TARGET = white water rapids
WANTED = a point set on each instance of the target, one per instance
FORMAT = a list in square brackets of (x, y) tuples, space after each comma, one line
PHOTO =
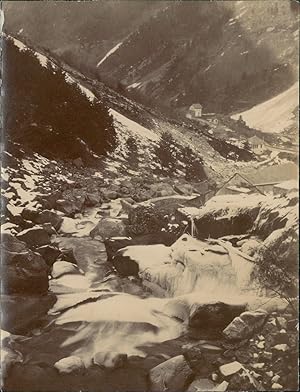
[(189, 273)]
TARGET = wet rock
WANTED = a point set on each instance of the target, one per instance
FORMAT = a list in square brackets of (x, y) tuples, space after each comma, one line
[(245, 325), (110, 360), (171, 375), (124, 264), (69, 365), (25, 271), (60, 268), (24, 311), (9, 357), (67, 254), (201, 385), (230, 368), (216, 210), (109, 227), (201, 356), (35, 236), (49, 253), (214, 315), (48, 216), (112, 245)]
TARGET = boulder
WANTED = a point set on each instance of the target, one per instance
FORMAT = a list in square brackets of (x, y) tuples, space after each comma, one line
[(25, 310), (109, 227), (25, 271), (112, 245), (78, 163), (69, 365), (214, 315), (92, 199), (144, 219), (109, 194), (171, 375), (35, 236), (60, 268), (230, 368), (201, 356), (49, 253), (109, 359), (132, 259), (66, 206), (49, 228), (245, 325), (49, 200), (222, 387), (161, 189), (201, 385), (48, 216), (9, 357)]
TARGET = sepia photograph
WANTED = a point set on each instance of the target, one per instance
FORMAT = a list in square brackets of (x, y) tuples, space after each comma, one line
[(149, 195)]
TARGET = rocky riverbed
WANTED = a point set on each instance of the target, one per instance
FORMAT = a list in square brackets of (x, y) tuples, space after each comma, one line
[(102, 292)]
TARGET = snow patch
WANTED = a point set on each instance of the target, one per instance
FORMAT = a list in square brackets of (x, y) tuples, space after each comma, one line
[(274, 115), (111, 51), (133, 126)]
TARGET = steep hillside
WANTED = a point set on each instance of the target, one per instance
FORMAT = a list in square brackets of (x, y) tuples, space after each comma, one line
[(130, 120), (55, 26), (246, 54), (166, 54), (274, 115)]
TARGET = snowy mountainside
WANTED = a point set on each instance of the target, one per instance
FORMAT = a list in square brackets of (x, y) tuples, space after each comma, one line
[(147, 126), (274, 115), (164, 53)]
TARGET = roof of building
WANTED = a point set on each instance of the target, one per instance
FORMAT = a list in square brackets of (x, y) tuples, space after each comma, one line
[(255, 140), (272, 174), (196, 106), (240, 184), (288, 185)]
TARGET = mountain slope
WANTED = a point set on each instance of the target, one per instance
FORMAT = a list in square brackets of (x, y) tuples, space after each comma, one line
[(144, 125), (241, 57), (274, 115), (229, 56)]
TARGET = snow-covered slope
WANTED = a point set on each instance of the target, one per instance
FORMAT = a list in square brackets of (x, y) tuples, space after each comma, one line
[(274, 115)]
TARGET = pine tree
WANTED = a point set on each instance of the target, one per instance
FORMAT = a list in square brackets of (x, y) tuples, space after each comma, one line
[(50, 115), (166, 151), (132, 151), (194, 170)]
